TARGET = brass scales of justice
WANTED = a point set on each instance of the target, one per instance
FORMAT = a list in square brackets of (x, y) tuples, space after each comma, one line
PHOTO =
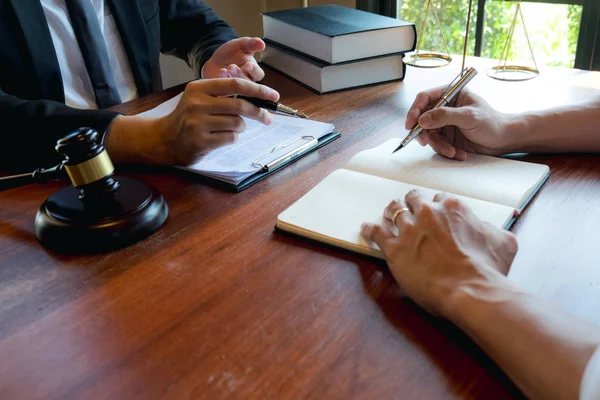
[(503, 71)]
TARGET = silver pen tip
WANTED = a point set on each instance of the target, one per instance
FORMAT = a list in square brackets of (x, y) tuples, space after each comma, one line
[(290, 111), (398, 148)]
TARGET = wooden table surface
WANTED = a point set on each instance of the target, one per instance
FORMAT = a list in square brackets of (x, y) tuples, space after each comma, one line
[(218, 305)]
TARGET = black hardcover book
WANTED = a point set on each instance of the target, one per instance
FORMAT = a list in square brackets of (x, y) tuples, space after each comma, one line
[(336, 34), (322, 77)]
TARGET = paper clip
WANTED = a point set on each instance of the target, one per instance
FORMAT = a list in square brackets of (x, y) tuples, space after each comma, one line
[(286, 157)]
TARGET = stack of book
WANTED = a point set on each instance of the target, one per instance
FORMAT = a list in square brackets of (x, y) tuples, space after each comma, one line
[(331, 48)]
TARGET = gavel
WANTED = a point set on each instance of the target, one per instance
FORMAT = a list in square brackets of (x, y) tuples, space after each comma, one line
[(97, 212)]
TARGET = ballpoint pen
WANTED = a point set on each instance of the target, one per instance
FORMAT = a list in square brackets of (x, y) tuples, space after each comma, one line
[(449, 94), (275, 107), (272, 106)]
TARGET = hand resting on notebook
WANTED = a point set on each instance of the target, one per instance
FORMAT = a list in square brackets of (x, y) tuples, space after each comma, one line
[(471, 125), (453, 264), (204, 119), (440, 247)]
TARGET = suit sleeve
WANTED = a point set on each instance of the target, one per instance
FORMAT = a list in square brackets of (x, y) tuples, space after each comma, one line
[(192, 31), (30, 129)]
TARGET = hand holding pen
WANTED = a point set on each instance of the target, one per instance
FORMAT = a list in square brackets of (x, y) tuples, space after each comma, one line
[(272, 106), (470, 125), (449, 93)]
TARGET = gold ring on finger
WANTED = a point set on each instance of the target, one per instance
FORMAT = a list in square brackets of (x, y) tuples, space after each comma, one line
[(398, 212)]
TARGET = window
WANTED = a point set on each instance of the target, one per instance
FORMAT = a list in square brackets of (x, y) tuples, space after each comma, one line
[(562, 32), (553, 31)]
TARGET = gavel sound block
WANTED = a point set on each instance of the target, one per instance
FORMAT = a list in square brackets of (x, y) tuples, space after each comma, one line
[(99, 212)]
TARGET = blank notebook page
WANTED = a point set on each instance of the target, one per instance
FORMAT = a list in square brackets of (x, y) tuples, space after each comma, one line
[(497, 180), (334, 210)]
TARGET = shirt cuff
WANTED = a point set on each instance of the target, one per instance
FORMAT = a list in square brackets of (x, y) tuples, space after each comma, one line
[(590, 383)]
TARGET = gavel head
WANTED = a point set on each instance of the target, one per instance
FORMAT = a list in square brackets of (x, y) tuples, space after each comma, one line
[(87, 163)]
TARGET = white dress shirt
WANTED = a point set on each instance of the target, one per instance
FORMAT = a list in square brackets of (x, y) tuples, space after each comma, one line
[(77, 86), (590, 384)]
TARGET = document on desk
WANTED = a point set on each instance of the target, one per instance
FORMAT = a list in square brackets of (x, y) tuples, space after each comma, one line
[(257, 146)]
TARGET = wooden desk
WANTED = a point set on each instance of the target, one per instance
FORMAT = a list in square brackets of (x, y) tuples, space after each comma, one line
[(218, 305)]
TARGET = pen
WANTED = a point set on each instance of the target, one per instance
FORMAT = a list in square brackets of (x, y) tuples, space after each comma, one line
[(275, 107), (449, 94)]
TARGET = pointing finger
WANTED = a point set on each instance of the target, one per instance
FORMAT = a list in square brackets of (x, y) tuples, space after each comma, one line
[(253, 71), (223, 73), (251, 45), (236, 72)]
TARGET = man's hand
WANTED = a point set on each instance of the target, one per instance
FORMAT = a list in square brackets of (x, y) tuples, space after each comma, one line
[(204, 120), (441, 249), (453, 264), (236, 59), (470, 125)]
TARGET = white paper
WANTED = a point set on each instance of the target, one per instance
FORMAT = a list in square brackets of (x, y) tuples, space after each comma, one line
[(493, 179), (163, 109), (257, 141), (234, 162), (334, 210)]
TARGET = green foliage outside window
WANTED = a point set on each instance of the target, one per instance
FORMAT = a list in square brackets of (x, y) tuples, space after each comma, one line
[(553, 29)]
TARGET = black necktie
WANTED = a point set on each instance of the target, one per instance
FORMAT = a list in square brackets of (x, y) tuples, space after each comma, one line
[(95, 55)]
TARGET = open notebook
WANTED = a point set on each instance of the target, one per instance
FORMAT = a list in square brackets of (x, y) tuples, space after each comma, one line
[(241, 164), (496, 189)]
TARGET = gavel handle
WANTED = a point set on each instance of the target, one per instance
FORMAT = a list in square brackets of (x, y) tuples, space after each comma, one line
[(38, 176), (9, 182)]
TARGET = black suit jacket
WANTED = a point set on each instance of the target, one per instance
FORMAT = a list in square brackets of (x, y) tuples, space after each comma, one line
[(33, 115)]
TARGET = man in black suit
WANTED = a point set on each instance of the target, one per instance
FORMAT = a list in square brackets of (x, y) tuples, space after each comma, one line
[(54, 54)]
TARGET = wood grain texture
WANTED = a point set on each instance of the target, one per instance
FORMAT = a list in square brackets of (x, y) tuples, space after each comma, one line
[(219, 305)]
